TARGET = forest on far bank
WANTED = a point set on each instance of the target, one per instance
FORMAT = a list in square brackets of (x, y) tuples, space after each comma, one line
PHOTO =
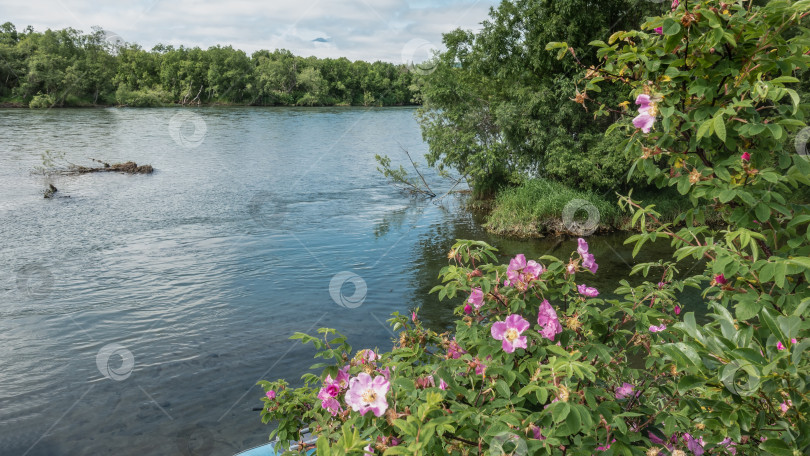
[(70, 68)]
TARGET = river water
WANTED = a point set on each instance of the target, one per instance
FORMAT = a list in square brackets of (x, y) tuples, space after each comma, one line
[(137, 312)]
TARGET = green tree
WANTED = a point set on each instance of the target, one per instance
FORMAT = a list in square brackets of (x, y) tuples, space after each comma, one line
[(497, 106)]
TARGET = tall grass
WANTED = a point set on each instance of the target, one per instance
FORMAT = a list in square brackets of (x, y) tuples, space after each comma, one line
[(535, 208)]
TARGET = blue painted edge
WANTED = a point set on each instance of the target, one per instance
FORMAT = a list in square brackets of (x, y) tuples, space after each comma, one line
[(268, 449)]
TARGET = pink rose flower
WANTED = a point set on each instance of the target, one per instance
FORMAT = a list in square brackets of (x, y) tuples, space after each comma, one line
[(589, 261), (582, 246), (476, 298), (270, 394), (659, 30), (694, 445), (588, 292), (658, 328), (365, 394), (509, 332), (547, 319), (520, 273), (746, 156), (624, 391), (454, 350)]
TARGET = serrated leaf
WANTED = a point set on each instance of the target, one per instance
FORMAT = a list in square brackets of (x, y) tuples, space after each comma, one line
[(720, 128)]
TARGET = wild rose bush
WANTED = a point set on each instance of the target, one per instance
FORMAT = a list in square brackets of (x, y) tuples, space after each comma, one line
[(537, 361), (540, 364)]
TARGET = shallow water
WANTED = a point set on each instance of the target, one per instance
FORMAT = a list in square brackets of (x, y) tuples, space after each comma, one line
[(138, 312)]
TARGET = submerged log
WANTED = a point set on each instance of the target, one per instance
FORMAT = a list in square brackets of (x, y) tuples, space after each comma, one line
[(129, 167)]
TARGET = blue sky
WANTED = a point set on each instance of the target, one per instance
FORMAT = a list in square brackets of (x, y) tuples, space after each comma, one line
[(390, 30)]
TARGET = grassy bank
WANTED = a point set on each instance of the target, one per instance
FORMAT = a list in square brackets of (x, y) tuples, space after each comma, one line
[(535, 208)]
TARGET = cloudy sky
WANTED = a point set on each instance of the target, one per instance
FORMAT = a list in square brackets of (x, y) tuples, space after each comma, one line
[(390, 30)]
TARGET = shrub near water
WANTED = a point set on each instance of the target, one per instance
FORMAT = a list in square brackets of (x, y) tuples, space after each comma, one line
[(539, 364)]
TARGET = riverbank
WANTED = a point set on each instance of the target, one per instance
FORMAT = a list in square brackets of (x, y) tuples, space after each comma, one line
[(541, 207), (76, 102)]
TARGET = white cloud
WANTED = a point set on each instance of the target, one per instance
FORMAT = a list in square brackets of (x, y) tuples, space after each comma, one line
[(357, 29)]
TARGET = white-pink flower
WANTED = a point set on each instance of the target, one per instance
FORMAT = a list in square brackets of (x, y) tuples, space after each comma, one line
[(366, 394)]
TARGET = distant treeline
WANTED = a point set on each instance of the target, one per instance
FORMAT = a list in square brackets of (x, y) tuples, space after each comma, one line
[(69, 68)]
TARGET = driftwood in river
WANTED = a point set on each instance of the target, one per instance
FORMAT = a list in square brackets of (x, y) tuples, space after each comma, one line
[(129, 167)]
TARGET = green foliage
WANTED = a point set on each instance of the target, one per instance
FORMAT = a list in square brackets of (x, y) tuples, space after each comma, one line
[(71, 68), (498, 104), (633, 375), (42, 101)]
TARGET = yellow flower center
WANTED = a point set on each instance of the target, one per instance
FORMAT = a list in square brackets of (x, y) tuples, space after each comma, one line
[(369, 396), (511, 334)]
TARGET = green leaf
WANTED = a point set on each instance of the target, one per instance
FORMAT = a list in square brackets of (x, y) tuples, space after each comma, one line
[(800, 261), (748, 307), (785, 79), (776, 447), (560, 411), (704, 129), (671, 27), (763, 212), (720, 128), (572, 422), (323, 445)]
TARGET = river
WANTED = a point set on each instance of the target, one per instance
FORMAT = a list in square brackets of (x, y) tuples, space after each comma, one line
[(137, 312)]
